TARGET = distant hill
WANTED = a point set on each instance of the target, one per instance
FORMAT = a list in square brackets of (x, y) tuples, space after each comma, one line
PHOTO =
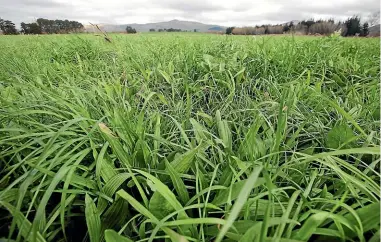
[(295, 22), (217, 28), (175, 24)]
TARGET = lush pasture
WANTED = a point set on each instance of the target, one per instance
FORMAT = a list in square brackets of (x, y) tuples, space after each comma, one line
[(189, 137)]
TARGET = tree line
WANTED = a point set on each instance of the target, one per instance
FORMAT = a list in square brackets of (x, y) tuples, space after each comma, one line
[(42, 26), (351, 27), (131, 30), (7, 27)]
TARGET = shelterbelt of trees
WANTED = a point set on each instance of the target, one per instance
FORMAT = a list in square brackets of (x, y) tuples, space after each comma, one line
[(351, 27), (42, 26)]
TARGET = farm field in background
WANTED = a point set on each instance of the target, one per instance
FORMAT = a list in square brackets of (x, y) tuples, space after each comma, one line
[(189, 137)]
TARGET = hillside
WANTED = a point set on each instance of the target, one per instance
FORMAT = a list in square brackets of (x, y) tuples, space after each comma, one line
[(175, 24)]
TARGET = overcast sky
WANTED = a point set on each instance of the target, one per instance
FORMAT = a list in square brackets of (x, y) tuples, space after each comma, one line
[(226, 13)]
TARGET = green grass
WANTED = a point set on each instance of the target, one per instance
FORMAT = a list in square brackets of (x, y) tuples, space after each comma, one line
[(189, 137)]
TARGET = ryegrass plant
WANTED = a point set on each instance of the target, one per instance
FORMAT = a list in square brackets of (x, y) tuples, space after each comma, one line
[(189, 137)]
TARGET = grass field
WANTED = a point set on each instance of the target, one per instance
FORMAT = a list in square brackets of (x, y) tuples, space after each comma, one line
[(189, 137)]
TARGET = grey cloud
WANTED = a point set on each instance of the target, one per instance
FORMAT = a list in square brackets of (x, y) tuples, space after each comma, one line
[(38, 3), (241, 13), (293, 10), (27, 11), (334, 8), (290, 10), (190, 6)]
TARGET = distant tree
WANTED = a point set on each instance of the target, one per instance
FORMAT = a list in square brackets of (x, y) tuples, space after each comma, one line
[(353, 26), (259, 30), (152, 30), (161, 30), (365, 29), (195, 30), (130, 30), (34, 28), (291, 26), (7, 27), (266, 29), (2, 25), (173, 30), (274, 29), (47, 26), (308, 23), (24, 29), (286, 28), (76, 27), (229, 30), (323, 28)]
